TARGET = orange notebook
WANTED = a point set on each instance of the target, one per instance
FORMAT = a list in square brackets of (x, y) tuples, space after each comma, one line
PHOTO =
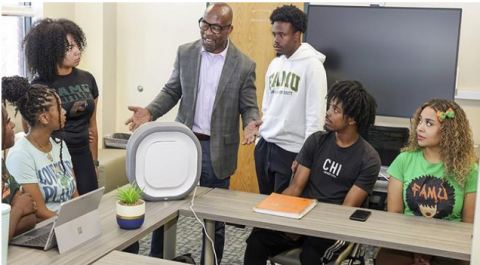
[(286, 206)]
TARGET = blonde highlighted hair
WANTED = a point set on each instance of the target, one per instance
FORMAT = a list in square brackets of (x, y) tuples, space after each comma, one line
[(456, 140)]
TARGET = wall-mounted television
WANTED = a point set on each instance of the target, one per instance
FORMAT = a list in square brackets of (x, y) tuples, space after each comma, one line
[(403, 56)]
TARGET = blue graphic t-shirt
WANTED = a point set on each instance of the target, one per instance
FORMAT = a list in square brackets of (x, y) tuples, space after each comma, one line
[(425, 193), (30, 165)]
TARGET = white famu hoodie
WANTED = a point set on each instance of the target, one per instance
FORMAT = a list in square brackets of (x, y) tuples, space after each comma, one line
[(294, 98)]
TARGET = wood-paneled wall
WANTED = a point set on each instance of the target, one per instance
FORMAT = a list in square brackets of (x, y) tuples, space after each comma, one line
[(252, 34)]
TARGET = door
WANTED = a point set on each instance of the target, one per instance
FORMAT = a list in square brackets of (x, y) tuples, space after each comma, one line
[(252, 34)]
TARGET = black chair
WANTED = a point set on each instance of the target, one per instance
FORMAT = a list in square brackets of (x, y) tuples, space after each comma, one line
[(388, 141), (352, 253)]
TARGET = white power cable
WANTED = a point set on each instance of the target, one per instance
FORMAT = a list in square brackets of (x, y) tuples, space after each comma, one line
[(203, 226)]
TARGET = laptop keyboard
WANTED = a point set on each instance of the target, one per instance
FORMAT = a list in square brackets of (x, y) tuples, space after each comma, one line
[(38, 241)]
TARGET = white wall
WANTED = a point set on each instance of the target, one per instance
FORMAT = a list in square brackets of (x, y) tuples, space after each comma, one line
[(59, 10), (92, 59), (148, 35), (468, 61), (110, 91)]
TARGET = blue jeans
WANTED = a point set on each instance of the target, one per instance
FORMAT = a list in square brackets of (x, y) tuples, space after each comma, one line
[(210, 180)]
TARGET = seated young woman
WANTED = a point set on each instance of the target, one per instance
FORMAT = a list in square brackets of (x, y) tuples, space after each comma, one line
[(23, 208), (39, 162), (435, 176)]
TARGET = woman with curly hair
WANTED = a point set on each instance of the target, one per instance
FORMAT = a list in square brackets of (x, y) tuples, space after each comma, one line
[(435, 176), (40, 163), (53, 50)]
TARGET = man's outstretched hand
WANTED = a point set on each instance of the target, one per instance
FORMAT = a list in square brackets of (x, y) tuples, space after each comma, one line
[(251, 132), (139, 117)]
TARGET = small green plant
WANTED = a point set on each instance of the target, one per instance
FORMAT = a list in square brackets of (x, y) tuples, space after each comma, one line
[(130, 194)]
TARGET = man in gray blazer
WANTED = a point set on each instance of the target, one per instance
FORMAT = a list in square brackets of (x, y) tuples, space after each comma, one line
[(215, 82)]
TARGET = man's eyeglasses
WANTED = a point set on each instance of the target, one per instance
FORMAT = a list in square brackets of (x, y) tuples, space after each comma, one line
[(204, 25)]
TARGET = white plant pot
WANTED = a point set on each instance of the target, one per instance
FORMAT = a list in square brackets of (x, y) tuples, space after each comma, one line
[(130, 217)]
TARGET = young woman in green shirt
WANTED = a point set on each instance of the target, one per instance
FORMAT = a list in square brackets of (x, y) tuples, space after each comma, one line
[(435, 176)]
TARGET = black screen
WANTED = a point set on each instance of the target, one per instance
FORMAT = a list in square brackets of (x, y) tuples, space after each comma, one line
[(403, 56)]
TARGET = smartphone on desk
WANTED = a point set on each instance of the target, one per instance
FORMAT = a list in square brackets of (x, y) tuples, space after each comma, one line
[(360, 215)]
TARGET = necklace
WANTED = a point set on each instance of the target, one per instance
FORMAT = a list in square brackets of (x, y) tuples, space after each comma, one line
[(49, 155)]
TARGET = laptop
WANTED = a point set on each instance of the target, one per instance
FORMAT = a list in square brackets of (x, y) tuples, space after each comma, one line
[(77, 221)]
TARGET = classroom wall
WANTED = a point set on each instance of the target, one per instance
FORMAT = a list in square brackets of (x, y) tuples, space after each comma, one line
[(59, 10)]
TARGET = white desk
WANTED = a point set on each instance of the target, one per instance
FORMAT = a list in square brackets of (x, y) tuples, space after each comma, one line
[(383, 229), (122, 258), (112, 237)]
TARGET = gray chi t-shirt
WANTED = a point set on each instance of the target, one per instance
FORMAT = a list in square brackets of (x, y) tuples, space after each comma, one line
[(334, 170)]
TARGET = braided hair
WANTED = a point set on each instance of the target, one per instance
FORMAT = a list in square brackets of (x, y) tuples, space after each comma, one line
[(357, 103), (291, 14), (31, 101), (46, 43)]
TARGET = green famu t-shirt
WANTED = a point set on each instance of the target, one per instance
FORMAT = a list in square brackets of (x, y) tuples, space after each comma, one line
[(424, 191)]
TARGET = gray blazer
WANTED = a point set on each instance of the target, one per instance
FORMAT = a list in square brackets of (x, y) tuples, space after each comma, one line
[(236, 95)]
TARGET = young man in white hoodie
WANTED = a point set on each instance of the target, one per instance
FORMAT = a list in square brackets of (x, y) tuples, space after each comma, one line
[(293, 101)]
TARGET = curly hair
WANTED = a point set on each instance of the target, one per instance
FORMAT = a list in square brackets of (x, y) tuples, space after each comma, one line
[(456, 140), (357, 103), (292, 15), (46, 44), (31, 101)]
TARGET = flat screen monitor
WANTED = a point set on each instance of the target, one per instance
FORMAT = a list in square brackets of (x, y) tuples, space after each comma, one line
[(387, 141), (403, 56)]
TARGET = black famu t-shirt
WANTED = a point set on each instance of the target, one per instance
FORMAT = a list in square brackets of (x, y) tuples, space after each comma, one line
[(78, 92), (334, 170)]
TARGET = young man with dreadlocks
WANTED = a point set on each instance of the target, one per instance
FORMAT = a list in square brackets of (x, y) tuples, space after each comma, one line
[(293, 102), (337, 166), (41, 164)]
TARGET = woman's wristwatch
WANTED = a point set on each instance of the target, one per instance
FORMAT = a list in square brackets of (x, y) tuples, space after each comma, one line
[(96, 163)]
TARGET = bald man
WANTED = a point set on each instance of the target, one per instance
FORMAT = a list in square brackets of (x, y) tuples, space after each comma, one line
[(215, 81)]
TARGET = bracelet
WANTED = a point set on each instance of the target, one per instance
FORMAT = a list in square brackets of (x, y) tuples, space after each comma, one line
[(96, 163)]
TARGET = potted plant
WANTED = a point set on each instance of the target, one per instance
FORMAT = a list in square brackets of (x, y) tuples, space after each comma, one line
[(130, 207)]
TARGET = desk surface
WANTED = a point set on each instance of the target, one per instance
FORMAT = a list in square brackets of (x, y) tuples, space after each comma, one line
[(383, 229), (112, 237), (118, 257)]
